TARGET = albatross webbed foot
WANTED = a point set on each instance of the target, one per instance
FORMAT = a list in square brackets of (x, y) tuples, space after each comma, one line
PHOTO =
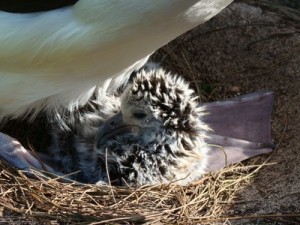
[(241, 128), (17, 156)]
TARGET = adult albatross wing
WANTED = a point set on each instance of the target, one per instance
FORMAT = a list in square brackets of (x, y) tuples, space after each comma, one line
[(54, 58), (29, 6)]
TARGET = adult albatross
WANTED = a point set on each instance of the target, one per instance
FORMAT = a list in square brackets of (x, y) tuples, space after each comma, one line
[(156, 132), (52, 60)]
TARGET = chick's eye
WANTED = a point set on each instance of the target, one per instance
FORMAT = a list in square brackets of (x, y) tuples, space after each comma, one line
[(139, 115)]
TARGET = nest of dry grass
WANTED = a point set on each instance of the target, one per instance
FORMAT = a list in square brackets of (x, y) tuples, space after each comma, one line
[(47, 200)]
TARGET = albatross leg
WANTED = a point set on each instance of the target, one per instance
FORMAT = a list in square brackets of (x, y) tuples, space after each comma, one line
[(16, 155), (241, 128)]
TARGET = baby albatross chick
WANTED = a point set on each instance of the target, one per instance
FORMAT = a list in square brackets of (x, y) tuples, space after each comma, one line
[(157, 136), (160, 134)]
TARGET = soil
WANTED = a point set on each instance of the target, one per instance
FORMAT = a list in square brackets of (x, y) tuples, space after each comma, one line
[(245, 49)]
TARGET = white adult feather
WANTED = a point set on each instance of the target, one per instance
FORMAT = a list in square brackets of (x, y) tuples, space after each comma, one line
[(56, 58)]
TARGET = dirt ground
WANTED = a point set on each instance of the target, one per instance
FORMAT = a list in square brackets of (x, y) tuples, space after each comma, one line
[(242, 50)]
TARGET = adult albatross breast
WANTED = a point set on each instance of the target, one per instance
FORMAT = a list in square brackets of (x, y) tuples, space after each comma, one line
[(53, 59)]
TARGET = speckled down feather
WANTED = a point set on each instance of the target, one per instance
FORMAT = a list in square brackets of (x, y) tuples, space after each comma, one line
[(167, 146)]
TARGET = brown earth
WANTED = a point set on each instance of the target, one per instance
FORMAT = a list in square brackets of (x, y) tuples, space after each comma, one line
[(246, 49)]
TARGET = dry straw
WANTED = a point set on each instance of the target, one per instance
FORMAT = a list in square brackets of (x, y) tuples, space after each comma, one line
[(42, 199)]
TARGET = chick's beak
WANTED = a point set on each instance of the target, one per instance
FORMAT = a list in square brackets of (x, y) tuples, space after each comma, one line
[(112, 127)]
